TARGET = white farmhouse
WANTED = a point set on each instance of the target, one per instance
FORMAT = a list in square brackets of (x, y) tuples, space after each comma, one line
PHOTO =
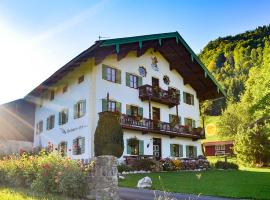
[(155, 81)]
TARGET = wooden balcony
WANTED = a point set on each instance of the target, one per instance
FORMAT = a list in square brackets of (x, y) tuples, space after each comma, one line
[(147, 125), (156, 94)]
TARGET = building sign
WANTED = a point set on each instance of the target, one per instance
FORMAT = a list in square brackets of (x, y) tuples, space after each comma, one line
[(69, 130)]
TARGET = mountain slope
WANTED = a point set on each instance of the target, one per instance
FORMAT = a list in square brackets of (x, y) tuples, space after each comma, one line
[(230, 59)]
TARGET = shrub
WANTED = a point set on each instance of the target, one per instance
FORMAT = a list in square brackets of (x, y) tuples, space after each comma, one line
[(45, 172), (109, 135), (176, 164), (144, 164), (167, 164), (123, 168), (226, 165)]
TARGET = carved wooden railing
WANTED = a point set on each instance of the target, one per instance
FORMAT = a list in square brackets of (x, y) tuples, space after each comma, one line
[(169, 97), (149, 125)]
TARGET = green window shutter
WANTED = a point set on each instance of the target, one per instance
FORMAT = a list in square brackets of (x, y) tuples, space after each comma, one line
[(195, 151), (59, 118), (128, 148), (74, 146), (47, 125), (141, 147), (171, 149), (83, 145), (187, 151), (119, 107), (104, 70), (180, 120), (193, 124), (104, 105), (84, 107), (180, 150), (139, 81), (178, 94), (75, 108), (186, 121), (67, 115), (53, 121), (170, 118), (118, 76), (192, 99), (185, 97), (128, 109), (127, 79), (140, 110)]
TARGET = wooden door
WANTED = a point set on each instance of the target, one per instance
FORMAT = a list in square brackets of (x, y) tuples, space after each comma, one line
[(157, 148)]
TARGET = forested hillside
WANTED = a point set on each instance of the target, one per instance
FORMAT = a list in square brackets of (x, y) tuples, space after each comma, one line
[(231, 58), (241, 64)]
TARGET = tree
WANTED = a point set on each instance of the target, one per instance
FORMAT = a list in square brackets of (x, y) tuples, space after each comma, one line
[(252, 146), (109, 135), (235, 116)]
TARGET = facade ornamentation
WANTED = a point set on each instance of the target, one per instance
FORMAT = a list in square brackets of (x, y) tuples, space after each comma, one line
[(142, 71), (154, 64)]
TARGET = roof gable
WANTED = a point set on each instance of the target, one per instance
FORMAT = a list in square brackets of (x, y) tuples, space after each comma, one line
[(171, 45)]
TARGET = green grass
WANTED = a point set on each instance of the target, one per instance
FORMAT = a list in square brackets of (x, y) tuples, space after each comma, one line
[(253, 184), (24, 194)]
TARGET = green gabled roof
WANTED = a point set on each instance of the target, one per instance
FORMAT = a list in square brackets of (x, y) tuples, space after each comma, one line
[(101, 46), (118, 41)]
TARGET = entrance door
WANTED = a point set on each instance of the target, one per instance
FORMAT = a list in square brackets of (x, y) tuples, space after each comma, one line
[(155, 82), (157, 148)]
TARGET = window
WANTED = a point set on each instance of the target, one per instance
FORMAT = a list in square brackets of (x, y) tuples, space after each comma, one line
[(220, 147), (81, 79), (50, 122), (135, 146), (190, 122), (65, 88), (62, 148), (111, 105), (80, 109), (173, 119), (51, 95), (176, 150), (191, 151), (39, 128), (188, 98), (78, 146), (133, 81), (111, 74), (134, 111), (63, 117)]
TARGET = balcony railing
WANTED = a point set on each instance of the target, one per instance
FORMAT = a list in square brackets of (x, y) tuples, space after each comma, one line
[(148, 125), (169, 97)]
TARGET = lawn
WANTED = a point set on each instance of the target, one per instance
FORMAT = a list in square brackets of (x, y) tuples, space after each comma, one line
[(253, 184), (24, 194)]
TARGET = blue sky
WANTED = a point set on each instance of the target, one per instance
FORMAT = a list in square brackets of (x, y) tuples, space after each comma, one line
[(38, 37)]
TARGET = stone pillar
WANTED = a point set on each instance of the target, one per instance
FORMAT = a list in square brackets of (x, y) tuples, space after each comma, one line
[(106, 180)]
